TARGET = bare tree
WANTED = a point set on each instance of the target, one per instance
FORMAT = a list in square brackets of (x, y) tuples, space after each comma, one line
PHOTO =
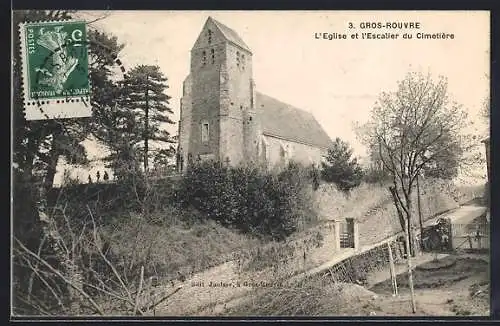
[(416, 131)]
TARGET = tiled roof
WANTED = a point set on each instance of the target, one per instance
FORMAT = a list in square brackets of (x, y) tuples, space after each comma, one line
[(230, 35), (284, 121)]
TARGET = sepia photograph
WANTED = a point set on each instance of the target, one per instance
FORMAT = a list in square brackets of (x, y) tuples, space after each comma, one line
[(250, 163)]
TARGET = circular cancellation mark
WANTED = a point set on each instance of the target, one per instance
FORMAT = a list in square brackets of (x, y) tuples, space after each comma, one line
[(65, 50)]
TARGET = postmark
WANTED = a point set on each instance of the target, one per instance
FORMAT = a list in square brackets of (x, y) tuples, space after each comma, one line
[(55, 63)]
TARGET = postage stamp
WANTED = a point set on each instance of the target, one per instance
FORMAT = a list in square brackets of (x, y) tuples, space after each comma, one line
[(55, 69)]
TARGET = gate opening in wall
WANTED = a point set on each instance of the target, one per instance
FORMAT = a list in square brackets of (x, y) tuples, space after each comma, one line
[(347, 233)]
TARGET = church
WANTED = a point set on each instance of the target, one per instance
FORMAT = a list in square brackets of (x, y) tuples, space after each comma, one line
[(224, 118)]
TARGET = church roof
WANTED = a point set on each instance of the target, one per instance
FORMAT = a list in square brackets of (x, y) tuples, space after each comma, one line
[(284, 121), (230, 34)]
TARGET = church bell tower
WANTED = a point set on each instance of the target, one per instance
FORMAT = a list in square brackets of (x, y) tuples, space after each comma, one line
[(218, 111)]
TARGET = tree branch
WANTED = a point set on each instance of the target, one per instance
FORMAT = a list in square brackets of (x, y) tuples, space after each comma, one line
[(55, 271), (115, 272)]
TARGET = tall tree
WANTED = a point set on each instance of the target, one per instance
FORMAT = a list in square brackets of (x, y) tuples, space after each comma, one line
[(340, 167), (104, 71), (417, 131), (143, 114)]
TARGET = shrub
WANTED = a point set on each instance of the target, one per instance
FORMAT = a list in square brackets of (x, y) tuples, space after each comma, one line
[(266, 204), (340, 167), (376, 176)]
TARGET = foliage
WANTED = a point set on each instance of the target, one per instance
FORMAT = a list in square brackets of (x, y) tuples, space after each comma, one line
[(163, 158), (38, 146), (264, 204), (140, 116), (417, 131), (341, 168), (373, 175), (102, 230)]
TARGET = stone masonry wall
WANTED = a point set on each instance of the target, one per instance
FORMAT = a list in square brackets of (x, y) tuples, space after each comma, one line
[(205, 105), (372, 206), (235, 101), (185, 122), (383, 221)]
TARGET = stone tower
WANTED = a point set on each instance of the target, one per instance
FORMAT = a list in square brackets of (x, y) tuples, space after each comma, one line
[(218, 111)]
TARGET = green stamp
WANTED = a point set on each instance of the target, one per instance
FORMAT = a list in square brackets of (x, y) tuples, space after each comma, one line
[(56, 69)]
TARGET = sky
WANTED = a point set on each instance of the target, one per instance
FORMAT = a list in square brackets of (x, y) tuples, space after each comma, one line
[(337, 80)]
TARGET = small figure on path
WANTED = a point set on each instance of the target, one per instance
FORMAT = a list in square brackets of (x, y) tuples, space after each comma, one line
[(90, 179), (106, 176), (98, 176)]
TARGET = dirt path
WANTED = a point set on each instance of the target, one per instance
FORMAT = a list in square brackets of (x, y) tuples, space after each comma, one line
[(441, 292), (208, 287), (400, 268), (454, 300), (462, 215)]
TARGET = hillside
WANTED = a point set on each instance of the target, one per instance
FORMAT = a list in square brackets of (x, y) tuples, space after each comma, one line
[(247, 259), (176, 245), (169, 245)]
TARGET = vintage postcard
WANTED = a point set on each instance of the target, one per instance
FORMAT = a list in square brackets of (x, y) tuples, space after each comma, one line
[(250, 163)]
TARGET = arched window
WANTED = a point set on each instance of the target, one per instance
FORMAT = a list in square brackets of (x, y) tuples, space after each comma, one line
[(204, 57), (212, 53)]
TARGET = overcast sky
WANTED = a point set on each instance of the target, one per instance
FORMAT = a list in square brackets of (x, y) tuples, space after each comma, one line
[(337, 80)]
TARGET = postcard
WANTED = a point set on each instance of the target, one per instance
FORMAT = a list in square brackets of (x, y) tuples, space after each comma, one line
[(250, 163)]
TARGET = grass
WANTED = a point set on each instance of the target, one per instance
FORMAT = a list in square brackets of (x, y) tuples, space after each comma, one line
[(180, 241), (174, 246)]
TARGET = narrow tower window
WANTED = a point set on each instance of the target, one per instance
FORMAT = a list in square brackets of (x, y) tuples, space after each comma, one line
[(204, 57), (209, 36), (243, 61), (212, 52), (237, 58), (205, 129)]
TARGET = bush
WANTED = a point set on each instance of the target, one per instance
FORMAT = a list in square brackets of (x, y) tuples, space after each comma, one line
[(376, 176), (340, 167), (272, 205)]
